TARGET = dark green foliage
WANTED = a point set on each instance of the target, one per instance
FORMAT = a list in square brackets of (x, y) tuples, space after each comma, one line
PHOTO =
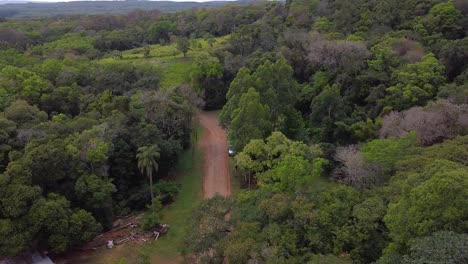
[(166, 190)]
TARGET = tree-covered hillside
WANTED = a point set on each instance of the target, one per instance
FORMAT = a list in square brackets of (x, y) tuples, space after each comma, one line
[(22, 9), (349, 119)]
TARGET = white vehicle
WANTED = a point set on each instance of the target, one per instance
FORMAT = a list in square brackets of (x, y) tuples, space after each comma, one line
[(231, 150)]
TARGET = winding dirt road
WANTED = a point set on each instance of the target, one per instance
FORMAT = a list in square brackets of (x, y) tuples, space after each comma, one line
[(213, 144)]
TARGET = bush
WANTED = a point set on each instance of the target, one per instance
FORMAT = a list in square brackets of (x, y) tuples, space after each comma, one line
[(166, 190), (152, 217)]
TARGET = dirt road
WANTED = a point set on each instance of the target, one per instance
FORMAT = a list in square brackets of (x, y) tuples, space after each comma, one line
[(213, 144)]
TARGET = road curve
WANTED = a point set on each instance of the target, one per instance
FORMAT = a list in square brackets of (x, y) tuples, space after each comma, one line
[(213, 145)]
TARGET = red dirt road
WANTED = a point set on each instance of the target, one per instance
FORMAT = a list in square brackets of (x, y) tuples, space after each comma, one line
[(213, 144)]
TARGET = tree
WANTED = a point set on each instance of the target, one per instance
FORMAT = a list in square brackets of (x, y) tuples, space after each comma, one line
[(292, 173), (94, 192), (333, 208), (437, 204), (416, 83), (338, 56), (277, 89), (250, 120), (439, 120), (147, 157), (207, 77), (444, 19), (24, 114), (354, 169), (183, 45), (385, 153), (83, 227), (327, 104)]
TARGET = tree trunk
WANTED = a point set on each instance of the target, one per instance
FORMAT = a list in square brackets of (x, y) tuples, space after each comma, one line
[(151, 187)]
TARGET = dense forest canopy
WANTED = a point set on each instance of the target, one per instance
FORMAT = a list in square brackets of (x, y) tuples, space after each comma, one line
[(349, 119)]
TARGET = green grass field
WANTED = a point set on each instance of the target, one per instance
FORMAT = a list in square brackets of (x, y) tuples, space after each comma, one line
[(175, 68)]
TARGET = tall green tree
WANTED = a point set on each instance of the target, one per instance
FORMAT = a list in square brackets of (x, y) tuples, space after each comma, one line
[(147, 157), (250, 120)]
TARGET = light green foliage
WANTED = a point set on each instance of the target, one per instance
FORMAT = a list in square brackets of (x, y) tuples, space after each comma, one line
[(387, 152), (444, 18), (438, 203), (385, 62), (290, 174), (71, 43), (207, 77), (282, 165), (454, 150), (334, 209), (21, 83), (152, 217), (322, 25), (205, 67), (416, 83), (96, 151), (366, 130)]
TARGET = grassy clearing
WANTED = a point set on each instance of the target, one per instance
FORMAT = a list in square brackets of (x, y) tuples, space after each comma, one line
[(177, 215), (175, 69)]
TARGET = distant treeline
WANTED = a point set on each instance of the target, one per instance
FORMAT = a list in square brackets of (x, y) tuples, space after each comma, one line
[(101, 7)]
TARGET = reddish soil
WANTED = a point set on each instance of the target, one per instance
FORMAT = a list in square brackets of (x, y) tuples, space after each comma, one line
[(213, 144)]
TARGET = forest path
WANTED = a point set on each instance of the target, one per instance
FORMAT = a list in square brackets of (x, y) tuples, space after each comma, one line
[(214, 146)]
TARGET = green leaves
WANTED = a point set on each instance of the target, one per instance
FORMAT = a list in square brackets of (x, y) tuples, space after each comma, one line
[(96, 151), (276, 88), (147, 157), (183, 45), (94, 191), (250, 120), (387, 152), (439, 203), (416, 83)]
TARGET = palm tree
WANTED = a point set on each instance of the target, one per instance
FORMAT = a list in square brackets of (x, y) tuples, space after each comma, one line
[(147, 156)]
